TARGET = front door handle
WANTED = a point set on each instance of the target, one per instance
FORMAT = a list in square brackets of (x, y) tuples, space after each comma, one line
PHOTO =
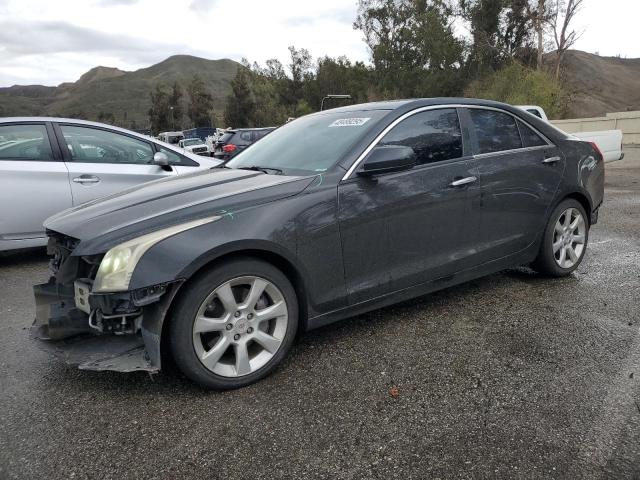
[(86, 179), (463, 181), (551, 160)]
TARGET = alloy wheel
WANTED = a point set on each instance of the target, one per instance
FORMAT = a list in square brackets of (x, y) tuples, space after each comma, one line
[(569, 238), (240, 326)]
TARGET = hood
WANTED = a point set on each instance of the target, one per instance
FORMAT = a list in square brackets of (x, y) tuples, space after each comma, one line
[(102, 223)]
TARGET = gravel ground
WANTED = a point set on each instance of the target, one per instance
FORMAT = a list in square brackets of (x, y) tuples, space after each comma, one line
[(510, 376)]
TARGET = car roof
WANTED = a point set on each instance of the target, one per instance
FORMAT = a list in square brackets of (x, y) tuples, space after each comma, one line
[(412, 103), (89, 123), (77, 121), (400, 107)]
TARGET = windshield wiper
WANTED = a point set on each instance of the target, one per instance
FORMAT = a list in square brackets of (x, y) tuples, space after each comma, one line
[(262, 169)]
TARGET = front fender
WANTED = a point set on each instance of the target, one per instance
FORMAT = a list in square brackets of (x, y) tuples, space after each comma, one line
[(180, 256)]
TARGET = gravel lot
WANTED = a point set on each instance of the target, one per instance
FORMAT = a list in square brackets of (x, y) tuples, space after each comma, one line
[(510, 376)]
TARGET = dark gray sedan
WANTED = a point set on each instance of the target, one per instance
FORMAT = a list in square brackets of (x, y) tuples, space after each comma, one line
[(331, 215)]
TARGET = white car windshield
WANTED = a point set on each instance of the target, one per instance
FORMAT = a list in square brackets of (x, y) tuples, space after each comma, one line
[(191, 141)]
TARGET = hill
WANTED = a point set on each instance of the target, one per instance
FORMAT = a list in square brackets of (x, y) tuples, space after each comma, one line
[(601, 84), (125, 95), (597, 85)]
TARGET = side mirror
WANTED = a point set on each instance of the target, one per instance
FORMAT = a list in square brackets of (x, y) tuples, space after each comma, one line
[(388, 158), (162, 160)]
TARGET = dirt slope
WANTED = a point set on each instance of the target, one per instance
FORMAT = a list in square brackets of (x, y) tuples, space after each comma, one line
[(601, 84)]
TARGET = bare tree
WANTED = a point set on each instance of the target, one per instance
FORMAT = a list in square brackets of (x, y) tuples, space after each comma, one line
[(560, 22), (539, 12)]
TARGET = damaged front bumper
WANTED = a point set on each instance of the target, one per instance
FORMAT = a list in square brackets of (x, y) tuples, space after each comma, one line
[(118, 331)]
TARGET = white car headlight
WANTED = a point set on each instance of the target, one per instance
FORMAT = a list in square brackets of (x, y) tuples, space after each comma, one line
[(117, 266)]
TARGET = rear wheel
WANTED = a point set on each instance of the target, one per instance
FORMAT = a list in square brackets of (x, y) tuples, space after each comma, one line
[(234, 324), (564, 243)]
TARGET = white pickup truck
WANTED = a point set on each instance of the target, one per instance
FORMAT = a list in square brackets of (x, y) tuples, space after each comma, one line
[(195, 145), (608, 141)]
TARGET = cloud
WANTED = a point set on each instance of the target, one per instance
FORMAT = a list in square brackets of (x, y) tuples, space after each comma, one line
[(110, 3), (62, 37), (339, 15), (202, 5)]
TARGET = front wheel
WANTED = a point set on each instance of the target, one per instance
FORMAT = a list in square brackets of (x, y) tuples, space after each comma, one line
[(234, 324), (564, 242)]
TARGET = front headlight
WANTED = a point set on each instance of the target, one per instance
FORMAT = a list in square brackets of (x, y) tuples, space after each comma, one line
[(117, 266)]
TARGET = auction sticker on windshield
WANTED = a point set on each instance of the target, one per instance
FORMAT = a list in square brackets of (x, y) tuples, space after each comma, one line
[(350, 122)]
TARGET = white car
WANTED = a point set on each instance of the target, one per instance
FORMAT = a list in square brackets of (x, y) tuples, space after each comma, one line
[(50, 164), (608, 141), (195, 145)]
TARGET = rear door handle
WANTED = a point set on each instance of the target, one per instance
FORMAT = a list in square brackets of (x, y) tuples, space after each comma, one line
[(463, 181), (86, 179), (551, 160)]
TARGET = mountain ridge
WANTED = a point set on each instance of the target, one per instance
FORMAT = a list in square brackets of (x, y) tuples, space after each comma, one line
[(105, 91), (597, 85)]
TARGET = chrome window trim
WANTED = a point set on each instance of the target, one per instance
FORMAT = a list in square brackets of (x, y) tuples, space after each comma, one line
[(513, 150), (376, 140)]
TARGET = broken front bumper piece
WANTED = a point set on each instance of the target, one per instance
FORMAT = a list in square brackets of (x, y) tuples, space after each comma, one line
[(125, 338)]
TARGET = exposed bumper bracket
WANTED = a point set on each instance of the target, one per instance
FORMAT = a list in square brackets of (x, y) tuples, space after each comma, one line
[(120, 353)]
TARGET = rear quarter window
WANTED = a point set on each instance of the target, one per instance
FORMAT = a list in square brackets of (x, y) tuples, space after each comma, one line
[(495, 131), (529, 137)]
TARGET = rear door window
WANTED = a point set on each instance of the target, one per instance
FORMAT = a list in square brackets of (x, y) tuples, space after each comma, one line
[(434, 135), (25, 142), (92, 145), (246, 137), (529, 137), (495, 131)]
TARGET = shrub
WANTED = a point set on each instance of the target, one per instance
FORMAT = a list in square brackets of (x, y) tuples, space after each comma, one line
[(518, 85)]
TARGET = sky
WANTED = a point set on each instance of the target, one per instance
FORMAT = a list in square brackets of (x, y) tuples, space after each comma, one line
[(49, 42)]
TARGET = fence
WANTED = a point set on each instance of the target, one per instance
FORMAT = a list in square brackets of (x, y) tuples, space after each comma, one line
[(628, 122)]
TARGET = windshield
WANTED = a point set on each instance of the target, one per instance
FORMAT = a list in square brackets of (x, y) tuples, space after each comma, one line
[(310, 144), (191, 141)]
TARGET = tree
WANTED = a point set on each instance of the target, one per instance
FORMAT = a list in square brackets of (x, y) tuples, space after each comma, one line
[(540, 13), (413, 47), (241, 101), (563, 15), (176, 105), (200, 107), (501, 32), (159, 113), (300, 73), (106, 117)]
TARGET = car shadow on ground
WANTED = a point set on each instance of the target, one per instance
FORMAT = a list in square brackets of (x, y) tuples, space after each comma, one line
[(170, 380)]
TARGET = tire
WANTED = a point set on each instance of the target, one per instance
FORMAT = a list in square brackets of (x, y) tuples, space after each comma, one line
[(219, 337), (558, 233)]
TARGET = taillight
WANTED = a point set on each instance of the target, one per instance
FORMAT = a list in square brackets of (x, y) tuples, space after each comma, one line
[(597, 149), (229, 148)]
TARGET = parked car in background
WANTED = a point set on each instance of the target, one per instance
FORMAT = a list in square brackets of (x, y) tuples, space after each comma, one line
[(200, 132), (608, 141), (331, 215), (50, 164), (195, 146), (172, 138), (234, 141)]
